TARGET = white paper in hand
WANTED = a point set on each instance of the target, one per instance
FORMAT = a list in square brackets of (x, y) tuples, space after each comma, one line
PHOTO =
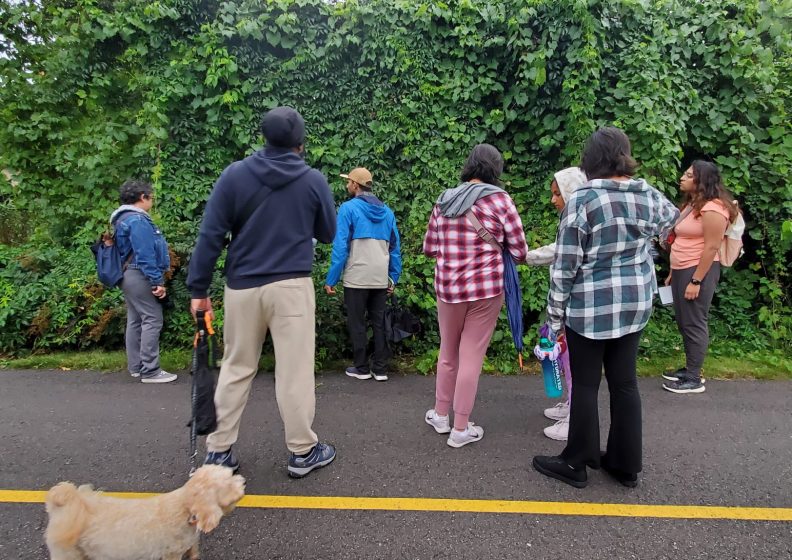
[(666, 295)]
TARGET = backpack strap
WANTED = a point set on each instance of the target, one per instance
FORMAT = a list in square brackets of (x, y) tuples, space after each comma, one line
[(685, 213), (483, 233), (110, 239)]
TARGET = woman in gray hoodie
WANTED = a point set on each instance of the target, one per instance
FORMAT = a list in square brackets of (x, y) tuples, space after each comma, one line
[(563, 185)]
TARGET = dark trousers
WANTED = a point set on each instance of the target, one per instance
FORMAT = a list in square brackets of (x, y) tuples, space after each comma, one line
[(692, 316), (359, 303), (587, 358)]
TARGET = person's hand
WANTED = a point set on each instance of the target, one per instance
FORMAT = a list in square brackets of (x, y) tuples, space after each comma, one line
[(390, 289), (202, 304), (329, 290), (547, 332), (552, 354), (668, 278), (159, 292), (692, 291)]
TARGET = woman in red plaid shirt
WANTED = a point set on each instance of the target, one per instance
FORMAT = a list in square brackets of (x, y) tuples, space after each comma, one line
[(469, 285)]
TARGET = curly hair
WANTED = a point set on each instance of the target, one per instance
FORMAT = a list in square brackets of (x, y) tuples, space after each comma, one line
[(709, 186), (132, 189)]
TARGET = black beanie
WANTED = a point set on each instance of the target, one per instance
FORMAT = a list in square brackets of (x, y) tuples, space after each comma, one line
[(283, 127)]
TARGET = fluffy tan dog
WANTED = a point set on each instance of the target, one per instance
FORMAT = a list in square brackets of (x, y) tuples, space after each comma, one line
[(87, 525)]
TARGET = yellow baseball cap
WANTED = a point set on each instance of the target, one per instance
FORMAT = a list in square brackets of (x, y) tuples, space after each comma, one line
[(361, 176)]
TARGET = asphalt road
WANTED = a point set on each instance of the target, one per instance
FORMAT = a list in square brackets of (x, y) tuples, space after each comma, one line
[(731, 446)]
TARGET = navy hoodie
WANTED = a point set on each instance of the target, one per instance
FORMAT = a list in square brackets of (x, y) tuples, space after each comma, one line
[(275, 243)]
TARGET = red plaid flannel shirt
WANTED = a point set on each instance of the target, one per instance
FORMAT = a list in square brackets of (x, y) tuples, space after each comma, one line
[(468, 268)]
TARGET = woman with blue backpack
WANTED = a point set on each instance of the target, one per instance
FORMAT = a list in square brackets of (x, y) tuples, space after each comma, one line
[(144, 254)]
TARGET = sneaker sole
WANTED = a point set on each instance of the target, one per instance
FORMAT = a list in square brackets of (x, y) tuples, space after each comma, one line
[(551, 474), (358, 375), (135, 374), (147, 380), (554, 437), (436, 429), (684, 391), (457, 444), (380, 378), (297, 472), (672, 378), (556, 418)]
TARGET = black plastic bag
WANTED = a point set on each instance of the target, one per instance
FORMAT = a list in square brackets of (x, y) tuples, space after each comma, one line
[(400, 323)]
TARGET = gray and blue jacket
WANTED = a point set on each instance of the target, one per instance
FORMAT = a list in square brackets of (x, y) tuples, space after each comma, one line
[(366, 248)]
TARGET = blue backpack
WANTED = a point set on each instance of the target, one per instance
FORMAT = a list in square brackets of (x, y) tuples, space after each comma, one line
[(109, 267)]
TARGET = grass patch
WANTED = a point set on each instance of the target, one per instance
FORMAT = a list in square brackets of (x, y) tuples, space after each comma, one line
[(756, 365)]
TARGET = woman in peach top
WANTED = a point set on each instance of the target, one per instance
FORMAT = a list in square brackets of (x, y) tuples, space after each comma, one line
[(707, 211)]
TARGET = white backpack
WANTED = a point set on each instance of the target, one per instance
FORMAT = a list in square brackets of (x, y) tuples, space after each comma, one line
[(732, 246)]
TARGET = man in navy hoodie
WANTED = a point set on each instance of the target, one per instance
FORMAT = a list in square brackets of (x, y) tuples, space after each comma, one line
[(268, 284), (366, 250)]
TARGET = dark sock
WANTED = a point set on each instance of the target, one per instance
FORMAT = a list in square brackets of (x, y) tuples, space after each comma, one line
[(306, 454)]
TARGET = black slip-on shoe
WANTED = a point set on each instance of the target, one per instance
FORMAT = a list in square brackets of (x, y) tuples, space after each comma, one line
[(556, 467), (630, 480)]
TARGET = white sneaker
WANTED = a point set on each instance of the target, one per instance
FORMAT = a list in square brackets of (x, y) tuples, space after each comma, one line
[(379, 376), (439, 423), (162, 377), (472, 433), (558, 431), (134, 373), (558, 412)]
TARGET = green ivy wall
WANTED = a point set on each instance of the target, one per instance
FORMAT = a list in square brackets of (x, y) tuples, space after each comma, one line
[(97, 91)]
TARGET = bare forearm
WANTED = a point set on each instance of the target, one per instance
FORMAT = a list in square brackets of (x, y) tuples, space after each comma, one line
[(707, 258)]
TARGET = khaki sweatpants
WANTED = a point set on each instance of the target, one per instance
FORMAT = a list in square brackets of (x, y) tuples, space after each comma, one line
[(287, 309)]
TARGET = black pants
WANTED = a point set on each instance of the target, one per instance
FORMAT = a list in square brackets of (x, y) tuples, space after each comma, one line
[(692, 316), (360, 302), (587, 358)]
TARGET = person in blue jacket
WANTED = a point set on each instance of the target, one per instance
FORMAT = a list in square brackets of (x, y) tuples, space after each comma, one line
[(144, 252), (366, 250)]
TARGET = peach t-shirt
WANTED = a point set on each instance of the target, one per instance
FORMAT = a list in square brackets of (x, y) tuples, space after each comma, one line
[(689, 242)]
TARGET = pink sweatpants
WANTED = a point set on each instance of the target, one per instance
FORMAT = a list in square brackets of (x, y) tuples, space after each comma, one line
[(465, 332)]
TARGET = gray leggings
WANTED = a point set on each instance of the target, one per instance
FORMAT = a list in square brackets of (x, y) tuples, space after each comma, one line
[(144, 323), (692, 315)]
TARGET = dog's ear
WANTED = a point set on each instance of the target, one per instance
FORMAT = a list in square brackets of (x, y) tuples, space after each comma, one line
[(206, 511), (204, 504)]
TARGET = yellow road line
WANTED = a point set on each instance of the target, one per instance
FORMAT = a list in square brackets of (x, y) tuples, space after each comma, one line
[(471, 506)]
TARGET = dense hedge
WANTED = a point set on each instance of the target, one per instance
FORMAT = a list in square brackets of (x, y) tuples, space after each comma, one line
[(95, 91)]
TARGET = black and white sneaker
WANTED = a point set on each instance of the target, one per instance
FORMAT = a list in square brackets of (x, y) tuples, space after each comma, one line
[(357, 373), (677, 375), (684, 386)]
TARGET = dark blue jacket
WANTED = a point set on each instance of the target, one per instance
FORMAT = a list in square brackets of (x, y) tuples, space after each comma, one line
[(136, 233), (275, 243)]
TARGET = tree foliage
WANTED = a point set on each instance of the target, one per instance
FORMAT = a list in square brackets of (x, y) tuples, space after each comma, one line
[(95, 91)]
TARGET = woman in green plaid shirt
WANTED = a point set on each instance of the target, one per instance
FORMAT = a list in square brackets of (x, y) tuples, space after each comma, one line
[(602, 282)]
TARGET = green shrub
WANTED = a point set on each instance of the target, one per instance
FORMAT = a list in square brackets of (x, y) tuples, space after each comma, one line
[(95, 92)]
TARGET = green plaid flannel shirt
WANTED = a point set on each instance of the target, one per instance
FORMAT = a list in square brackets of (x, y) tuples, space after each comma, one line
[(602, 279)]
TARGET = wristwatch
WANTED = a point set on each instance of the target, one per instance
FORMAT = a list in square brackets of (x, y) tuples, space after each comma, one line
[(695, 282)]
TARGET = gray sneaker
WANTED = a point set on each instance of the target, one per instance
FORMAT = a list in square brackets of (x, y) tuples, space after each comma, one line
[(161, 377), (684, 386), (321, 455), (134, 373)]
